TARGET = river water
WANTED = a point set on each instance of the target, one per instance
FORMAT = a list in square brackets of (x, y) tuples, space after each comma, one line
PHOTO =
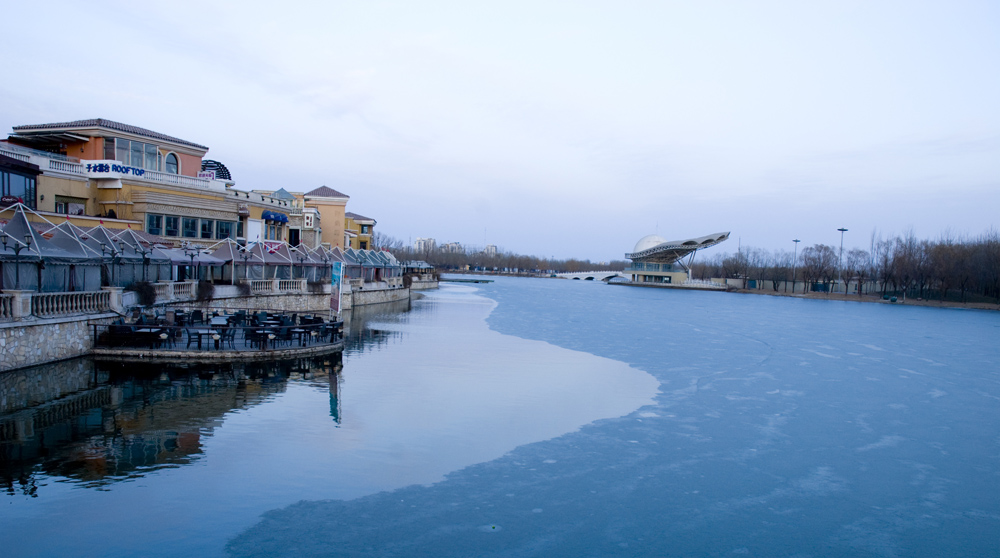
[(531, 417)]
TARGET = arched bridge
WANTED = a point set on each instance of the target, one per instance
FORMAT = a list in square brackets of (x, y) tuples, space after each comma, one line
[(593, 275)]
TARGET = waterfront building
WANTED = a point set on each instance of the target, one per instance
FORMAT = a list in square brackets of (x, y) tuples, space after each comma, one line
[(120, 176), (363, 228), (305, 224), (329, 205), (658, 260)]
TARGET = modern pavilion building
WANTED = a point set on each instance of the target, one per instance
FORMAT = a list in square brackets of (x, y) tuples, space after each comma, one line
[(658, 260)]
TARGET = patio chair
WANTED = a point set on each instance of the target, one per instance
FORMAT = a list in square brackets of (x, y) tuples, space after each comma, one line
[(229, 337)]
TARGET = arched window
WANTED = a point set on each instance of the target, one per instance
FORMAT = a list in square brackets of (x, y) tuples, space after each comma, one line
[(170, 163)]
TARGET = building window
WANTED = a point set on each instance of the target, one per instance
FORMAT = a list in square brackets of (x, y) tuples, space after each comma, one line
[(206, 228), (172, 227), (363, 245), (307, 220), (364, 229), (154, 224), (223, 229), (18, 186), (152, 157), (239, 229), (70, 206), (171, 165), (136, 154), (190, 227)]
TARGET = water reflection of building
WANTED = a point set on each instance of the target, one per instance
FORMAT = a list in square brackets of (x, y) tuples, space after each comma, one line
[(105, 422), (358, 333)]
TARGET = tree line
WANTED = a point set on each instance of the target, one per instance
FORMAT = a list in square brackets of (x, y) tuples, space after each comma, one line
[(474, 259), (965, 269)]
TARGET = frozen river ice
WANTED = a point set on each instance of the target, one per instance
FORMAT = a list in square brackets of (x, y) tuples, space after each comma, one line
[(565, 418), (784, 427)]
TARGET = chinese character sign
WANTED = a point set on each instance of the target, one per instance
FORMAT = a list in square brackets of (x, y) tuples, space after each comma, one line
[(337, 280)]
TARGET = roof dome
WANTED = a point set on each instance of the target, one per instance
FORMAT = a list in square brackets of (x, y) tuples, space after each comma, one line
[(647, 242)]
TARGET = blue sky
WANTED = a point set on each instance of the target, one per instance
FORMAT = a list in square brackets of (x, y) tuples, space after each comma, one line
[(555, 128)]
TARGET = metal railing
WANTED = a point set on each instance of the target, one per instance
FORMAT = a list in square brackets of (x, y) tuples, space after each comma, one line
[(21, 153), (238, 332), (47, 305)]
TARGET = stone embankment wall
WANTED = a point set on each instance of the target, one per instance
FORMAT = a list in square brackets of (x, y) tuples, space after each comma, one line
[(423, 285), (31, 342), (378, 296)]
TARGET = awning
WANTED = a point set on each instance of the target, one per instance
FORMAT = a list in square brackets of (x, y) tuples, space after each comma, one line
[(274, 216)]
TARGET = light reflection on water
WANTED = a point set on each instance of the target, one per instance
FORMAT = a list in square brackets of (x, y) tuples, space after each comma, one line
[(184, 458)]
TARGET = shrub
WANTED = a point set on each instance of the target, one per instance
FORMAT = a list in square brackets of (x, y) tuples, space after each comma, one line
[(206, 291), (144, 292)]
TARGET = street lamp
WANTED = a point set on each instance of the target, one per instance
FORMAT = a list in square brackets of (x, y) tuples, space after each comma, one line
[(17, 247), (840, 259), (302, 258), (115, 258), (795, 258), (145, 258), (191, 251), (245, 255)]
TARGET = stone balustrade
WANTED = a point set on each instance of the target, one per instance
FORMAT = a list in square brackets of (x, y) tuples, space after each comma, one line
[(6, 307), (260, 286), (164, 290), (47, 305), (17, 305)]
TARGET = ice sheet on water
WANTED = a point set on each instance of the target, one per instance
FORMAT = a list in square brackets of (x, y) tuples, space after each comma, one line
[(856, 460)]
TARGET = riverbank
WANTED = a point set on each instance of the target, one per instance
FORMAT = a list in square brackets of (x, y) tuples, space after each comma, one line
[(876, 299)]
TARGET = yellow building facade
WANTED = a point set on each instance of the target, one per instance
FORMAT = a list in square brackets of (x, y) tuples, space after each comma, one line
[(359, 231), (104, 172)]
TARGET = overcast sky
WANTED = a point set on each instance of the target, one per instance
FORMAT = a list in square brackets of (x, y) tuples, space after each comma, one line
[(567, 129)]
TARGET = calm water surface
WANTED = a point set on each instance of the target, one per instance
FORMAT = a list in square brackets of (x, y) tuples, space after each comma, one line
[(139, 460), (536, 418)]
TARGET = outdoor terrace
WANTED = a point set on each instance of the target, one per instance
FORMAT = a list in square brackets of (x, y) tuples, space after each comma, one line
[(217, 334)]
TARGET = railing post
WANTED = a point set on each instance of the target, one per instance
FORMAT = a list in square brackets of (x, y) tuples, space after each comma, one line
[(115, 299), (20, 304), (192, 289), (168, 290)]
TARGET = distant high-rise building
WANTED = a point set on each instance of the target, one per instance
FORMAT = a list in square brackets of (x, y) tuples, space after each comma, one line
[(424, 245)]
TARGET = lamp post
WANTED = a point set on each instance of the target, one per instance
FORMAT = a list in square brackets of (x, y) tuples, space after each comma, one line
[(17, 247), (302, 258), (145, 258), (795, 259), (115, 258), (245, 255), (191, 251), (840, 258)]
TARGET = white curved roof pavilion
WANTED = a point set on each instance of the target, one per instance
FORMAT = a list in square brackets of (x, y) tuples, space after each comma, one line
[(654, 249)]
